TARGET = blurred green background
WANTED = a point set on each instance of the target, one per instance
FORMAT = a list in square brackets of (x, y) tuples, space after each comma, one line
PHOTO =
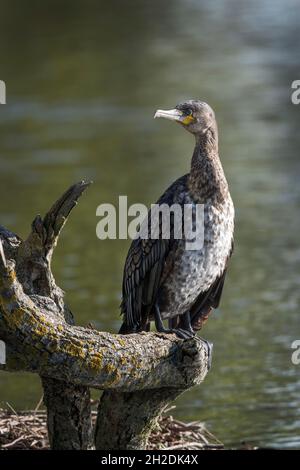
[(83, 81)]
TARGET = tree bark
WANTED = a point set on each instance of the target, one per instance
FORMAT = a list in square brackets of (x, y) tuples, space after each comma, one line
[(130, 417), (69, 422), (141, 373)]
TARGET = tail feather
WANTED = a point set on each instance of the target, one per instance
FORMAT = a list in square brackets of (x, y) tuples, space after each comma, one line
[(126, 329)]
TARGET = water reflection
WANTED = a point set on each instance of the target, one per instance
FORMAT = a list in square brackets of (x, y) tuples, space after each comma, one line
[(83, 80)]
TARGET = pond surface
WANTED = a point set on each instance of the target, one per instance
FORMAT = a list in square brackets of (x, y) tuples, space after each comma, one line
[(83, 81)]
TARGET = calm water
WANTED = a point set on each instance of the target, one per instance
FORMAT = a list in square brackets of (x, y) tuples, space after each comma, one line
[(83, 81)]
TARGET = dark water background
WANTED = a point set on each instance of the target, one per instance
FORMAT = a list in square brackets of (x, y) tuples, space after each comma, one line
[(83, 81)]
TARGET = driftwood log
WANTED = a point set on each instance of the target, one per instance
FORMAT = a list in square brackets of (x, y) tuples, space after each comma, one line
[(139, 373)]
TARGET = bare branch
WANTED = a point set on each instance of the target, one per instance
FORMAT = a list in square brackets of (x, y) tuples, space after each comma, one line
[(143, 371), (89, 357)]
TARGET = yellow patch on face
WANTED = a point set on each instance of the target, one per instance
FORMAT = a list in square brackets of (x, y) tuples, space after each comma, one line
[(188, 120)]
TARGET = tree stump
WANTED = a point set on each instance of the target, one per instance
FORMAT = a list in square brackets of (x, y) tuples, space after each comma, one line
[(139, 373)]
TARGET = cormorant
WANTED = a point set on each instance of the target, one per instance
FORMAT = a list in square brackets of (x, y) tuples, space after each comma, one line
[(164, 280)]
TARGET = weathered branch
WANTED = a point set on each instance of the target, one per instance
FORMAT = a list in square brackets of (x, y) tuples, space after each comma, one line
[(40, 341), (143, 371)]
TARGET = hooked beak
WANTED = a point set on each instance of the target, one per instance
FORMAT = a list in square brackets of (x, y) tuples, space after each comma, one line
[(171, 114)]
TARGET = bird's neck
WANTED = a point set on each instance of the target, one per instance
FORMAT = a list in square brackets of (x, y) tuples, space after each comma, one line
[(207, 180)]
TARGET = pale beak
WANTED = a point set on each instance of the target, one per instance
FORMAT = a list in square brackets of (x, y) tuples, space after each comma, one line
[(171, 114)]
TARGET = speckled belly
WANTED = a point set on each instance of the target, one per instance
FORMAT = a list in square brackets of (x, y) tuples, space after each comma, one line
[(194, 271)]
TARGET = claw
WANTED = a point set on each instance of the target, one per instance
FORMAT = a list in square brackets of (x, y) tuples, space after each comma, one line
[(183, 334)]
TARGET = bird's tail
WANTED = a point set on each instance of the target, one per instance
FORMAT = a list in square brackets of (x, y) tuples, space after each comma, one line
[(126, 329)]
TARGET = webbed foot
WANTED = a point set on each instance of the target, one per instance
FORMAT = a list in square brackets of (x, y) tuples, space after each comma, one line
[(183, 333)]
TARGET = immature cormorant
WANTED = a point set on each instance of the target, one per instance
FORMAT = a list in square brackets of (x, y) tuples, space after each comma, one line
[(162, 278)]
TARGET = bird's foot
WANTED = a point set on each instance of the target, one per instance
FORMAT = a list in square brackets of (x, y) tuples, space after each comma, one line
[(182, 333), (185, 323)]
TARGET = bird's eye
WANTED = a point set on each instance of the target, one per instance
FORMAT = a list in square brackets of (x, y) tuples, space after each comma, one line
[(188, 112)]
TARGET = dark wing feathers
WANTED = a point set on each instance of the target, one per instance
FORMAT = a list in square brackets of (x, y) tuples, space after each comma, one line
[(142, 274), (144, 266)]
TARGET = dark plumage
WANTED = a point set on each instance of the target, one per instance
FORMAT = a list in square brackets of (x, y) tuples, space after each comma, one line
[(164, 280)]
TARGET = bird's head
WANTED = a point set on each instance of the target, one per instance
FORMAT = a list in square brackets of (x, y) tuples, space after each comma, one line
[(195, 116)]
